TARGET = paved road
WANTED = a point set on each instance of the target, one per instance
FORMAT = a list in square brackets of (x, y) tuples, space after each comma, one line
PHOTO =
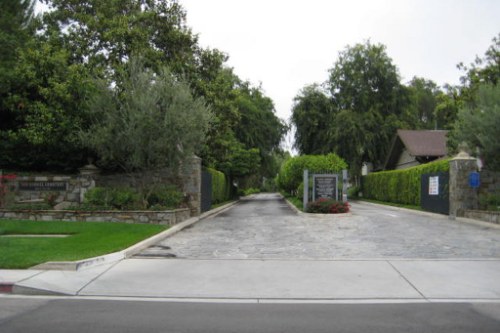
[(264, 227), (77, 315)]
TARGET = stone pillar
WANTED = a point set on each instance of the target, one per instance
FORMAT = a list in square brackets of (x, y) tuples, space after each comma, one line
[(462, 196), (191, 183), (86, 179)]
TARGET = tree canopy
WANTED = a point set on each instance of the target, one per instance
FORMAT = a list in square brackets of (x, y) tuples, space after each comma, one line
[(79, 51)]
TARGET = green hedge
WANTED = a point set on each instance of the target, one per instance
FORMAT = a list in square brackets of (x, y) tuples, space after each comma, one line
[(292, 171), (221, 186), (400, 186)]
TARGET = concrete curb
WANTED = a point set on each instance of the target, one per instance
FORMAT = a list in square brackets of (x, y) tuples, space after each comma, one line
[(301, 213), (132, 250)]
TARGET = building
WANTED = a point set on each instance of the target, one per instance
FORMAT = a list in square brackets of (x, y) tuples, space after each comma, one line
[(414, 147)]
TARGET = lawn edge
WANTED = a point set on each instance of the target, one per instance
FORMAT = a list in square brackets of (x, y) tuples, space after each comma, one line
[(130, 251)]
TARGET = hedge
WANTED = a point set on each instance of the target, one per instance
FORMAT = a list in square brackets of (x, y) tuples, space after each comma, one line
[(292, 171), (400, 186), (221, 186)]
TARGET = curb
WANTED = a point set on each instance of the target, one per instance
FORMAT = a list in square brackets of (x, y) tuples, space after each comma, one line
[(301, 213), (132, 250)]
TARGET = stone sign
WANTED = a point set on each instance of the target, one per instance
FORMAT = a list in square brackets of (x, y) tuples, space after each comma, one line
[(325, 186), (41, 186)]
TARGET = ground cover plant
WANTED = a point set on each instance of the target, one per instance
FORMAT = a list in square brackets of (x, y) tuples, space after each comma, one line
[(85, 240), (328, 206)]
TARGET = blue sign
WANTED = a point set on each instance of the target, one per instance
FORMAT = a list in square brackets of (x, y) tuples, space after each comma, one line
[(474, 180)]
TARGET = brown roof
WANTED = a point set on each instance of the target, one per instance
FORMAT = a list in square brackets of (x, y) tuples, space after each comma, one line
[(424, 143)]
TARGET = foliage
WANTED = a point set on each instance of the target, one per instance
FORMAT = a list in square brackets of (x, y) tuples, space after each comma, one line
[(353, 192), (165, 197), (490, 201), (399, 186), (312, 115), (160, 197), (369, 104), (221, 186), (292, 170), (423, 96), (327, 206), (153, 122), (251, 190), (478, 123), (86, 240)]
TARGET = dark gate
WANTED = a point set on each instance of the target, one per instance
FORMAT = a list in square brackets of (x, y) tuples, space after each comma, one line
[(434, 192), (206, 191)]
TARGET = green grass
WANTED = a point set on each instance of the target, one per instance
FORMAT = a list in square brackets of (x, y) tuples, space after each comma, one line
[(87, 240), (295, 201), (391, 204)]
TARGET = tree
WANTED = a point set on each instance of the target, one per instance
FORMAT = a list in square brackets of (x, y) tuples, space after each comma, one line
[(151, 122), (423, 101), (44, 108), (369, 104), (312, 115), (478, 123), (15, 17)]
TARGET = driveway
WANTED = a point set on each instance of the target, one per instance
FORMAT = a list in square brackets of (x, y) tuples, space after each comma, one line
[(264, 227)]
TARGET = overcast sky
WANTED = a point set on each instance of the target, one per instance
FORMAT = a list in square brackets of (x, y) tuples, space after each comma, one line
[(287, 44)]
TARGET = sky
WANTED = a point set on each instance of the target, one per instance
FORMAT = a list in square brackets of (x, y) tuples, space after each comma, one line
[(288, 44)]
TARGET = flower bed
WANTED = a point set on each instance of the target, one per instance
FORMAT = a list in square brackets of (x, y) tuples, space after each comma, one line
[(328, 206)]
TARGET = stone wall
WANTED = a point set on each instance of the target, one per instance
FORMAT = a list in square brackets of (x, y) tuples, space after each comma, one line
[(70, 189), (487, 216), (462, 196), (152, 217), (490, 182)]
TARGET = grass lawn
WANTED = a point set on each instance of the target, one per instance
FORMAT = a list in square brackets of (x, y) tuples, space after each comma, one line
[(86, 240)]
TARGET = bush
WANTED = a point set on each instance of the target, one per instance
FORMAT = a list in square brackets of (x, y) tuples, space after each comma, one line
[(400, 186), (292, 171), (490, 202), (221, 186), (165, 197), (251, 190), (328, 206), (353, 192), (127, 198)]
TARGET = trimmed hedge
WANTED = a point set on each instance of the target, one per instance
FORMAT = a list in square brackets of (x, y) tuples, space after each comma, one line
[(292, 171), (221, 186), (400, 186)]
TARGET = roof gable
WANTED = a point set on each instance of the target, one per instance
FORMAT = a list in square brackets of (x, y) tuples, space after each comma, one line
[(418, 143)]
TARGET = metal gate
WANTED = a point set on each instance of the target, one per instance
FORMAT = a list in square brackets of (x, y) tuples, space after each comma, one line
[(206, 191), (435, 193)]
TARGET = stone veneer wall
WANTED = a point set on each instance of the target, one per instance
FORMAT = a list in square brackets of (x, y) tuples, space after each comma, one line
[(490, 182), (462, 196), (152, 217), (487, 216)]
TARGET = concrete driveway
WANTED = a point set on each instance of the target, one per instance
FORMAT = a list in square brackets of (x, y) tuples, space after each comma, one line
[(264, 227)]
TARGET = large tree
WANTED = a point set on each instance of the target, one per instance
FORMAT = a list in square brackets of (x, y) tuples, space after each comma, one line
[(369, 104), (478, 123), (151, 121), (312, 115)]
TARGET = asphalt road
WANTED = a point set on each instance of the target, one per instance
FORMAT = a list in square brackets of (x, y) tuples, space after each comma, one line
[(78, 315)]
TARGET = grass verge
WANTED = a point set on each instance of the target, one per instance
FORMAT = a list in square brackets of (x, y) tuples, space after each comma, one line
[(86, 240), (295, 201), (393, 204)]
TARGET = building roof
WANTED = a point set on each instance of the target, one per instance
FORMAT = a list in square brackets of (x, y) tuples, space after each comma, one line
[(419, 143)]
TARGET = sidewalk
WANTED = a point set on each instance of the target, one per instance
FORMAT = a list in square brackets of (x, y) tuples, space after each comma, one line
[(273, 280)]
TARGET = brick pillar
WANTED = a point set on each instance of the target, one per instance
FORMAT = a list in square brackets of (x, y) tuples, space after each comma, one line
[(191, 183), (462, 196)]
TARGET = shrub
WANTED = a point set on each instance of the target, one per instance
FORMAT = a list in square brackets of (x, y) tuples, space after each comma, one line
[(221, 186), (353, 192), (165, 197), (328, 206), (292, 171), (251, 190), (400, 186), (490, 202)]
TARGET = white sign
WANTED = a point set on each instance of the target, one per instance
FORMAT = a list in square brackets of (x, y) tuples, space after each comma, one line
[(434, 185)]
